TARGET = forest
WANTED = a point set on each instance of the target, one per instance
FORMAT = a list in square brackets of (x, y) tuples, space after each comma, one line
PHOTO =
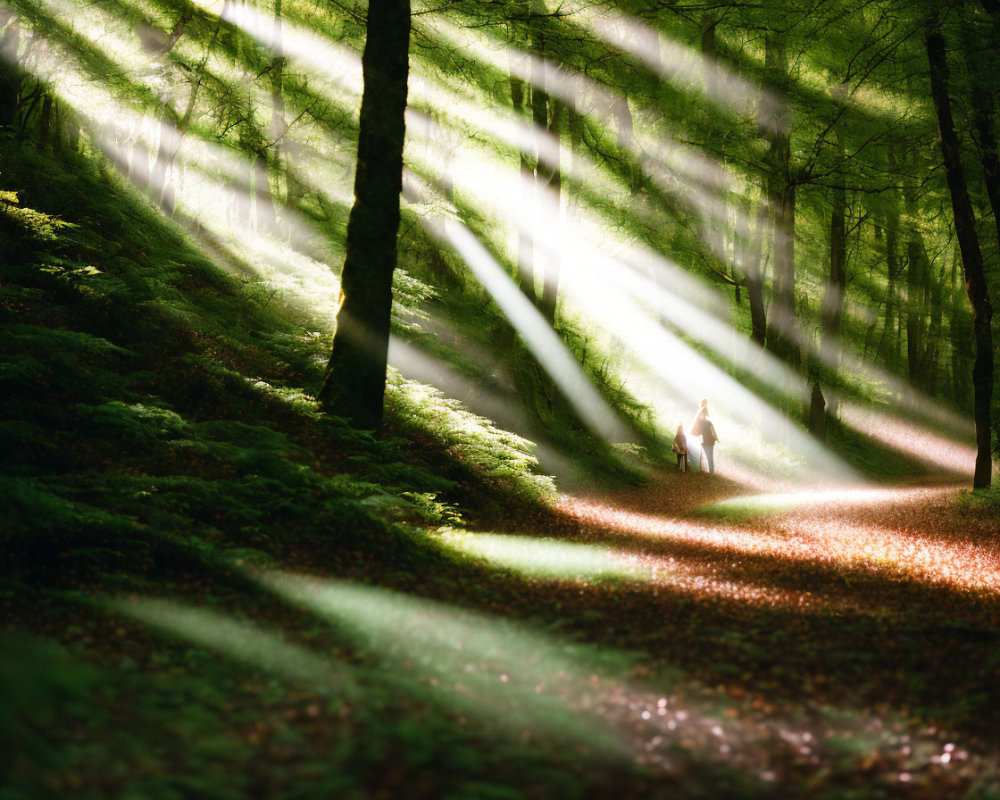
[(497, 399)]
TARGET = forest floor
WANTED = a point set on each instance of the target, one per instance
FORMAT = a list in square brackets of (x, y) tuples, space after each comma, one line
[(686, 639)]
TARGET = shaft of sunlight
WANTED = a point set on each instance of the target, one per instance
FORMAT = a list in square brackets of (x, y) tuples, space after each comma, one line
[(483, 665), (240, 640), (677, 63)]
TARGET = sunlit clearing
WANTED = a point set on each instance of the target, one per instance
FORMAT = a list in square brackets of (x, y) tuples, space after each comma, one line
[(735, 410), (630, 296), (239, 640), (903, 436), (542, 558), (491, 668)]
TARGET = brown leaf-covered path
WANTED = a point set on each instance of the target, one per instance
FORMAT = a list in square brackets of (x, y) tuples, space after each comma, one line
[(821, 636)]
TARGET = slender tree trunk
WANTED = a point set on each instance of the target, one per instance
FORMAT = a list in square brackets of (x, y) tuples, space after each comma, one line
[(836, 287), (45, 120), (552, 186), (755, 275), (972, 257), (625, 129), (525, 248), (168, 196), (11, 76), (932, 346), (263, 204), (982, 112), (243, 205), (960, 335), (542, 172), (354, 386), (278, 124), (783, 333), (890, 337), (917, 271)]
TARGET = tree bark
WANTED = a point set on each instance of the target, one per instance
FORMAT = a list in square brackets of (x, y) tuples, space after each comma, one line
[(972, 257), (525, 249), (354, 386), (782, 335), (551, 183), (917, 279), (11, 76), (892, 305), (960, 334), (982, 114), (755, 275), (836, 287)]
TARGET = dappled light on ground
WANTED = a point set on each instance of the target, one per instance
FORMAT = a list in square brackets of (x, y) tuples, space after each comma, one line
[(820, 528), (515, 680), (240, 640)]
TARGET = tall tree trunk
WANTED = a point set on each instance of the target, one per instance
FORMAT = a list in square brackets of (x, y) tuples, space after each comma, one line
[(542, 172), (960, 335), (932, 345), (45, 121), (893, 311), (525, 249), (917, 271), (354, 386), (836, 287), (263, 204), (754, 269), (278, 124), (972, 257), (783, 333), (625, 129), (982, 111), (11, 76), (551, 183)]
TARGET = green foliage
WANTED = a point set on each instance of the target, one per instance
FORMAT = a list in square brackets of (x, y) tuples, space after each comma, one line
[(473, 443)]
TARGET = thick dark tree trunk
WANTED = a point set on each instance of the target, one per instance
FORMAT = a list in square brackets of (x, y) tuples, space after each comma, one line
[(972, 257), (354, 386)]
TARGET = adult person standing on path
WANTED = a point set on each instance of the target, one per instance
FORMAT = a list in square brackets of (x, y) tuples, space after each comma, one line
[(704, 428)]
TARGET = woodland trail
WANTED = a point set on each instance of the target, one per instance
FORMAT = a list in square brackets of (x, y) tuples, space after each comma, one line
[(839, 636), (686, 639)]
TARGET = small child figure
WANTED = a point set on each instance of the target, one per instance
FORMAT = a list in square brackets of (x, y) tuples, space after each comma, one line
[(681, 449)]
